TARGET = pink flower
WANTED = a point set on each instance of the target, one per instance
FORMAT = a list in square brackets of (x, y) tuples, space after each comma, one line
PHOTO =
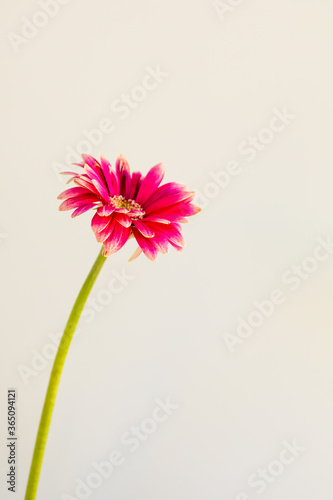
[(130, 205)]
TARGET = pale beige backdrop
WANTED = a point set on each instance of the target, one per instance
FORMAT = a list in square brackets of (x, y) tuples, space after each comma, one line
[(235, 97)]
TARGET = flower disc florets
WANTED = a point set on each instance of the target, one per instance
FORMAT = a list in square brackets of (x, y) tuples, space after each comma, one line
[(134, 209)]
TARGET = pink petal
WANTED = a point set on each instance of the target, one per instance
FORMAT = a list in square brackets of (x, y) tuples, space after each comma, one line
[(115, 183), (124, 176), (177, 247), (146, 245), (144, 229), (97, 181), (123, 219), (106, 169), (169, 231), (105, 210), (135, 184), (137, 213), (150, 183), (77, 202), (166, 190), (101, 189), (176, 212), (184, 196), (87, 184), (155, 218), (71, 193), (98, 223), (166, 218), (105, 233), (90, 160), (116, 240), (162, 244), (83, 209)]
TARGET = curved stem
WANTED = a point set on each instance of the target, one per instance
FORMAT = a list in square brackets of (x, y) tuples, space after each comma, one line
[(58, 364)]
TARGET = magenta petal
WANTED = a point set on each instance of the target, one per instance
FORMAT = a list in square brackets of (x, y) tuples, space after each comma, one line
[(105, 233), (135, 184), (115, 183), (87, 184), (71, 193), (144, 229), (105, 210), (101, 189), (89, 160), (177, 247), (98, 223), (150, 183), (83, 209), (98, 181), (123, 219), (169, 231), (176, 212), (156, 218), (146, 245), (166, 218), (184, 196), (165, 190), (106, 169), (124, 176), (162, 243), (77, 202), (116, 240)]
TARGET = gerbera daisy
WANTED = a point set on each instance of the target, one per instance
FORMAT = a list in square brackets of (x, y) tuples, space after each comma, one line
[(130, 205)]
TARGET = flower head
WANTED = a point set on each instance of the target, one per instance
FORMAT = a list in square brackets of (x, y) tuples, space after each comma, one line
[(130, 205)]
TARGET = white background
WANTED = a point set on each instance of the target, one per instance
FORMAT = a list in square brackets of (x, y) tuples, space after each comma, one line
[(163, 335)]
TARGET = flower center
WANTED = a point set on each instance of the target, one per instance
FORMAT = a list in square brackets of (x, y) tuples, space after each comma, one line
[(131, 205)]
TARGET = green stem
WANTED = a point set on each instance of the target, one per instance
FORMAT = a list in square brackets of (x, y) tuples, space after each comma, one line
[(58, 364)]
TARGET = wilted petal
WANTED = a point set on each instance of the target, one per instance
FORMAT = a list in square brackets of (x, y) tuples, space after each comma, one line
[(136, 254)]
